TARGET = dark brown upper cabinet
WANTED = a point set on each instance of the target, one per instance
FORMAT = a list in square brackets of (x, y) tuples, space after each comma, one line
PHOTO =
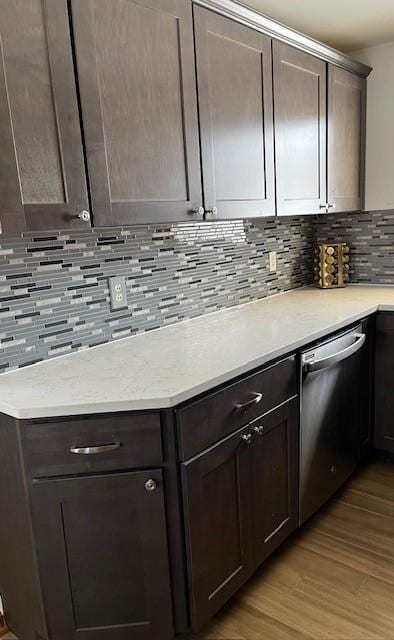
[(234, 74), (136, 70), (108, 103), (42, 174), (346, 140), (300, 130)]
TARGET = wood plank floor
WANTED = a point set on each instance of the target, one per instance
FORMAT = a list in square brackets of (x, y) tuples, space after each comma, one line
[(333, 580)]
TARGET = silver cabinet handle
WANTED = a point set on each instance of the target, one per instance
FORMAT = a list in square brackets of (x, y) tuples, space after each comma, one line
[(242, 407), (331, 206), (247, 438), (198, 212), (259, 430), (151, 485), (330, 361), (84, 216), (212, 211), (102, 448)]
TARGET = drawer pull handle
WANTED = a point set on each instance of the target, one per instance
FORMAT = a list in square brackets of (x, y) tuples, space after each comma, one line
[(247, 438), (257, 398), (89, 451), (258, 430)]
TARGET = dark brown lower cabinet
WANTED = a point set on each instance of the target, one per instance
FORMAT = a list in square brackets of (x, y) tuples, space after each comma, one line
[(384, 382), (218, 521), (365, 435), (102, 556), (275, 478), (241, 502)]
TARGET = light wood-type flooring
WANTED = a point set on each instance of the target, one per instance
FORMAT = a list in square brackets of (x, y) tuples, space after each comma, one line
[(333, 580)]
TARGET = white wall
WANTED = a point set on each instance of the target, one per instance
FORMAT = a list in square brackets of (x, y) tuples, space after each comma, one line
[(380, 126)]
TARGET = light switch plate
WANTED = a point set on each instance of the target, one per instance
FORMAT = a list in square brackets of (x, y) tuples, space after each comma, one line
[(117, 290), (272, 260)]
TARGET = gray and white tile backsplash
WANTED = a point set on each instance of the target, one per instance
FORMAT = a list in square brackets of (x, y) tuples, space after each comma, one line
[(370, 236), (54, 296)]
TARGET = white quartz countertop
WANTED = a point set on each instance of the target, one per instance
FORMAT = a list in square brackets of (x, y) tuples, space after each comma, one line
[(165, 367)]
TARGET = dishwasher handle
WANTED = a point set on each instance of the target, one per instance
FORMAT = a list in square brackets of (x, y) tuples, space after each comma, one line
[(330, 361)]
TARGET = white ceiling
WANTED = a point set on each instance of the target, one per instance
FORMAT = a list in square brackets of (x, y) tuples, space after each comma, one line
[(347, 25)]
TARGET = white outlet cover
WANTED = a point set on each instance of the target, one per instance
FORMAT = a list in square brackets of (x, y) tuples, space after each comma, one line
[(272, 260), (117, 291)]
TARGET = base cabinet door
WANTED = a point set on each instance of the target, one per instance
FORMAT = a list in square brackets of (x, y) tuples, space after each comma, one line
[(365, 436), (274, 478), (102, 556), (384, 385), (217, 504)]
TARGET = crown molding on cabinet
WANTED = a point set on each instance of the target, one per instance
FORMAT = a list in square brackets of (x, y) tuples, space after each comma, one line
[(249, 17)]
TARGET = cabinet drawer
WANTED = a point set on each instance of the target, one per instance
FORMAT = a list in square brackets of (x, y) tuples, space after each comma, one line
[(92, 444), (205, 421)]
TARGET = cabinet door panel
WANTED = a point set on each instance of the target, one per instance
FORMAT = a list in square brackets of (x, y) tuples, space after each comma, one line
[(275, 478), (346, 139), (384, 395), (217, 504), (43, 182), (135, 62), (300, 130), (235, 101), (103, 557), (367, 391)]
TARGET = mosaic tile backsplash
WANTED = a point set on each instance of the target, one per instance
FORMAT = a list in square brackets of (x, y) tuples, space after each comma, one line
[(54, 296), (370, 236)]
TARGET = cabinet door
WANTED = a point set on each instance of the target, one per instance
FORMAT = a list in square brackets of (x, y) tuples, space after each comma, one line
[(365, 440), (136, 69), (384, 391), (42, 177), (217, 505), (346, 140), (275, 478), (300, 130), (102, 554), (235, 102)]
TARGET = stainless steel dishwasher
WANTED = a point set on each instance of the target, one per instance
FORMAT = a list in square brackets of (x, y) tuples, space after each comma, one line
[(330, 417)]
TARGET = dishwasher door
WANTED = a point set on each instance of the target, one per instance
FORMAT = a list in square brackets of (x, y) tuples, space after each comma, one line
[(330, 417)]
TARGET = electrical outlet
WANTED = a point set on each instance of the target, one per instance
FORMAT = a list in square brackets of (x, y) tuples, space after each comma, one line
[(117, 291), (272, 260)]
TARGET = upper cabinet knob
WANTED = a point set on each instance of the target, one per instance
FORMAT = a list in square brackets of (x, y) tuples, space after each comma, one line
[(84, 216), (212, 211), (198, 212)]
